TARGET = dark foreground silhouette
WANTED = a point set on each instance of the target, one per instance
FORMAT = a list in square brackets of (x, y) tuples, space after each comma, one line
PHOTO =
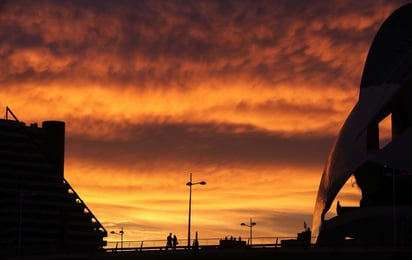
[(248, 253)]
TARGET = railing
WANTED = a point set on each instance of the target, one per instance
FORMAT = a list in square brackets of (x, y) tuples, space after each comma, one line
[(146, 245)]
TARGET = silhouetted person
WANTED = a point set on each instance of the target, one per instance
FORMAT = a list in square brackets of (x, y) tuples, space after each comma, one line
[(175, 242), (169, 241)]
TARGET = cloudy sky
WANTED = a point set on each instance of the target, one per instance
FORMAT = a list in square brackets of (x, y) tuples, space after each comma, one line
[(245, 95)]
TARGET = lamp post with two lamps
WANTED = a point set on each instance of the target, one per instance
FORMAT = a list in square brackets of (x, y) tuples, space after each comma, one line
[(121, 232), (250, 225), (190, 184)]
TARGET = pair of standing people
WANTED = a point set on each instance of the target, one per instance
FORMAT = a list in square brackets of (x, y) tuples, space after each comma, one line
[(171, 242)]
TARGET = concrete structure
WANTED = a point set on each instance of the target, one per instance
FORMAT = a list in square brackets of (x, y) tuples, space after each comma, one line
[(41, 214), (382, 172)]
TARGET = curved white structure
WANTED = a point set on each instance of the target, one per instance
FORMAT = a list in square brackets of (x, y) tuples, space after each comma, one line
[(385, 90)]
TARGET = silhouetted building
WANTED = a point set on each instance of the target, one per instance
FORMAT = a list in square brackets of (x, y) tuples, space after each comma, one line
[(382, 172), (41, 214), (232, 243)]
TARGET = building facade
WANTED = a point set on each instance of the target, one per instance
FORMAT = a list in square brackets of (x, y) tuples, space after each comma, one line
[(382, 168), (41, 214)]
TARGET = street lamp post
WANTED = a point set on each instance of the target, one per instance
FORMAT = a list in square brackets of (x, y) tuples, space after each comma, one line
[(121, 232), (250, 225), (190, 184)]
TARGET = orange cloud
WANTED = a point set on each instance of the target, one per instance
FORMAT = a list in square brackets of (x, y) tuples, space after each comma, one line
[(246, 95)]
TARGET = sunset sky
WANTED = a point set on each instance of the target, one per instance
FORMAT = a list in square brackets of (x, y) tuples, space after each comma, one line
[(248, 96)]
